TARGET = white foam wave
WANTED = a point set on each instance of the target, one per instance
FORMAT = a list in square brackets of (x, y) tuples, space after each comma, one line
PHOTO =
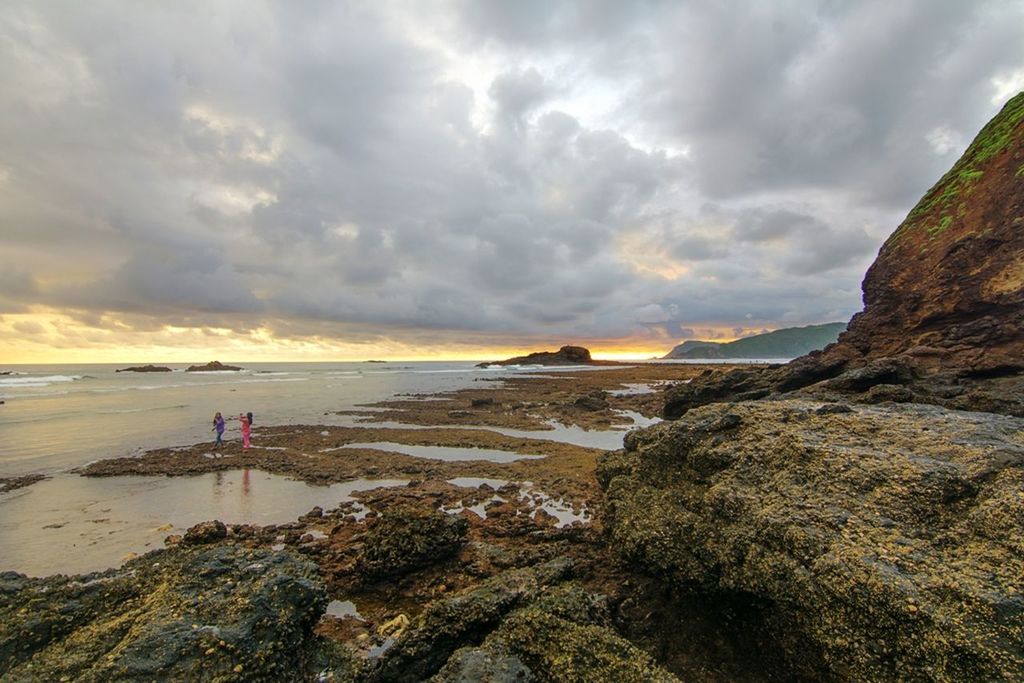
[(27, 381), (142, 410)]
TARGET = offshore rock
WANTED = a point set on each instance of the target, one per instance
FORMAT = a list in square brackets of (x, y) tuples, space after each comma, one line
[(213, 366), (192, 613), (567, 355), (889, 539), (145, 368)]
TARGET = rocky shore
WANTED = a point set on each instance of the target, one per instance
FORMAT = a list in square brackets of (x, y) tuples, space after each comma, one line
[(855, 515)]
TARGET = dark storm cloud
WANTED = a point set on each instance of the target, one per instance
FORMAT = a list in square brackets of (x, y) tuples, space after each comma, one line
[(539, 169)]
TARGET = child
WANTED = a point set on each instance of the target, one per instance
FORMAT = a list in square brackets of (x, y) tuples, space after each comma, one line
[(245, 430), (218, 426)]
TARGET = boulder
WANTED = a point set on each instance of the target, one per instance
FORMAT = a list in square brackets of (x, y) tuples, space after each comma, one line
[(408, 538), (189, 613), (205, 532), (888, 539)]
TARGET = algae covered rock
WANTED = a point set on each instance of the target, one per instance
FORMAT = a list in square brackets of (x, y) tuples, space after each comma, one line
[(191, 613), (889, 539), (205, 532), (530, 624), (408, 538)]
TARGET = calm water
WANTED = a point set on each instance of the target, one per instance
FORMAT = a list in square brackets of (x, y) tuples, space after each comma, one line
[(58, 417), (71, 524)]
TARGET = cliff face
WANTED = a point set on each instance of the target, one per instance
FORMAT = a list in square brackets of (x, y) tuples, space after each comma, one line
[(943, 318), (948, 285)]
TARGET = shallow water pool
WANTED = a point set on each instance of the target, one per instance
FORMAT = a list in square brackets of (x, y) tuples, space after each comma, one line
[(72, 524)]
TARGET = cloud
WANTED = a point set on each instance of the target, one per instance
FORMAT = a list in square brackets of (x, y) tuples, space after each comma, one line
[(483, 170)]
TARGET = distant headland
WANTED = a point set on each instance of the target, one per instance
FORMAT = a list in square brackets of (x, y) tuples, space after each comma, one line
[(789, 342)]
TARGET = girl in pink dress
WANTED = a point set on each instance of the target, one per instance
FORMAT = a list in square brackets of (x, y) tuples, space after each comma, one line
[(245, 430)]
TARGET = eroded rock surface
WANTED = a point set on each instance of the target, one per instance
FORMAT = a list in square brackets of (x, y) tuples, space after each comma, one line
[(888, 539), (203, 613), (948, 285)]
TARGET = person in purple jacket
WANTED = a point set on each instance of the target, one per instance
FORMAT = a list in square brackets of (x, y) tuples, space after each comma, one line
[(218, 426)]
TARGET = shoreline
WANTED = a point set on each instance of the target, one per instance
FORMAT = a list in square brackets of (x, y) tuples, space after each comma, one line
[(451, 539)]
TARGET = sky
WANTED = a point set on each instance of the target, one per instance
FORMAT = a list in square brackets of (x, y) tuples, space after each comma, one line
[(466, 178)]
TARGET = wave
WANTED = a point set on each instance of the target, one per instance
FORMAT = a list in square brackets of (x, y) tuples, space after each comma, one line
[(27, 381), (142, 410), (221, 372)]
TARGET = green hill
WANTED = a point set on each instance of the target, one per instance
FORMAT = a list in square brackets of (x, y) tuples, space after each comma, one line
[(790, 342)]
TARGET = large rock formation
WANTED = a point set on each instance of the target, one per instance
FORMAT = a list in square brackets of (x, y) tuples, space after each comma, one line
[(883, 540), (947, 288), (943, 302), (948, 285), (887, 542)]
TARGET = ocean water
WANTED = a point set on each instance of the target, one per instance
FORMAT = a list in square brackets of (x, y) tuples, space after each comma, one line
[(60, 416)]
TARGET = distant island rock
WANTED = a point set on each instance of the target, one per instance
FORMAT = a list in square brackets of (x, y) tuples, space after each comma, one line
[(145, 368), (789, 342), (567, 355), (213, 366)]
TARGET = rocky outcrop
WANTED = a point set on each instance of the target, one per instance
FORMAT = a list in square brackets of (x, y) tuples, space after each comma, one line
[(943, 318), (522, 625), (213, 366), (887, 540), (145, 368), (14, 483), (201, 613), (947, 288), (567, 355), (948, 285), (879, 380), (409, 538)]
